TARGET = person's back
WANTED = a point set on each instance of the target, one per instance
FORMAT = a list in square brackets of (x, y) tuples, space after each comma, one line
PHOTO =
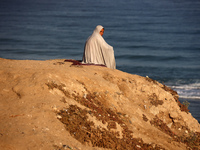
[(97, 51)]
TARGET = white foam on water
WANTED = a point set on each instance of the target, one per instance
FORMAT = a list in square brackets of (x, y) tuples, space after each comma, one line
[(188, 86), (188, 91), (190, 97)]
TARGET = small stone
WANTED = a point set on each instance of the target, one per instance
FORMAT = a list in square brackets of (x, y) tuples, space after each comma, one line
[(138, 146), (186, 131), (85, 96), (55, 108), (174, 115), (59, 117), (170, 125), (66, 147)]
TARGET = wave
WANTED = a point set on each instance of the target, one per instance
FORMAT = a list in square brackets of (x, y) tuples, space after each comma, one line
[(188, 86), (187, 90), (190, 97)]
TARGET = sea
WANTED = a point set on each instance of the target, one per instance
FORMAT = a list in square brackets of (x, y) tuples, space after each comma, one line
[(155, 38)]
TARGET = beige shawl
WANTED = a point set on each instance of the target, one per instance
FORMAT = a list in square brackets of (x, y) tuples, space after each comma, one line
[(97, 51)]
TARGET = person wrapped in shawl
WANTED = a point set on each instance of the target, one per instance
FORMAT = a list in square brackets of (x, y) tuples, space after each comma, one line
[(97, 51)]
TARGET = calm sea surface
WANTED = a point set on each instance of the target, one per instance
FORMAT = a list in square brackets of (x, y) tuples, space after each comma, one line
[(159, 39)]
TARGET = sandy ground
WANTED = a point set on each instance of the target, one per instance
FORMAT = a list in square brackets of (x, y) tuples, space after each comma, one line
[(56, 105)]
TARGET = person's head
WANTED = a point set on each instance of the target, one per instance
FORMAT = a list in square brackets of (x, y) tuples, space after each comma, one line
[(101, 32), (99, 29)]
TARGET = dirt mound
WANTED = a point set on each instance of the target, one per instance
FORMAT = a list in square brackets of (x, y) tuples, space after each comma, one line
[(58, 104)]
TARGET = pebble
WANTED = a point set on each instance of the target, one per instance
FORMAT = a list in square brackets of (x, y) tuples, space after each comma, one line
[(138, 146), (59, 117), (85, 96)]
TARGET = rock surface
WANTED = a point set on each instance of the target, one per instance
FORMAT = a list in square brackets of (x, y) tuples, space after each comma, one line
[(56, 105)]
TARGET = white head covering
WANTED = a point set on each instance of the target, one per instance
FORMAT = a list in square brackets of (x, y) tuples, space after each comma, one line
[(97, 51)]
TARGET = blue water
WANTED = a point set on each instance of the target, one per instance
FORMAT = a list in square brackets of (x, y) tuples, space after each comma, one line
[(159, 39)]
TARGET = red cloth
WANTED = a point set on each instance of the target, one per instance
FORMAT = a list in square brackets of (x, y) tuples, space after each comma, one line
[(77, 62)]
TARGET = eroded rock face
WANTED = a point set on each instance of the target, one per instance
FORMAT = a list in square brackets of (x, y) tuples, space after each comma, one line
[(54, 104)]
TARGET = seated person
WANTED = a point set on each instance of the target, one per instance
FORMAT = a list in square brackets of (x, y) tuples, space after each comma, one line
[(97, 51)]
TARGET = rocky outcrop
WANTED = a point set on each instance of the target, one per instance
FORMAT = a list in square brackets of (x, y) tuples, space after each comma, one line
[(57, 105)]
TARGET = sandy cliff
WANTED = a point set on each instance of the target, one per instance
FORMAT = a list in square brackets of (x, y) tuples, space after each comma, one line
[(56, 105)]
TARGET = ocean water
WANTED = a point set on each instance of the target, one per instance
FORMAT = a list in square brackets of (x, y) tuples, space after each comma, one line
[(159, 39)]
